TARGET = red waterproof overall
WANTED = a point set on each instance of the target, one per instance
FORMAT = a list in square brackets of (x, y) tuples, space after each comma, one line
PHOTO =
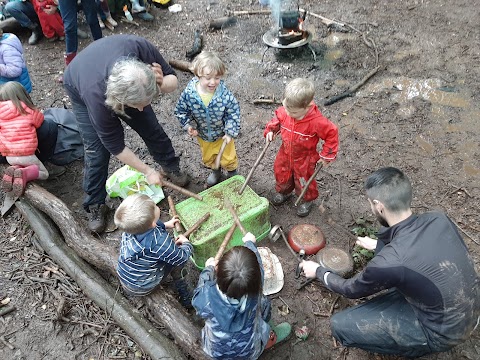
[(297, 156)]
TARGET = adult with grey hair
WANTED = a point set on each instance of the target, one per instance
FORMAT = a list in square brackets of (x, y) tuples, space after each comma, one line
[(433, 297), (115, 79)]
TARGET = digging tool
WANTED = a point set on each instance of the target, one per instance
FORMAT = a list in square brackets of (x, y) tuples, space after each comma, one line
[(304, 190), (171, 205), (196, 225), (225, 242), (229, 206), (249, 176), (181, 190), (277, 232), (219, 155)]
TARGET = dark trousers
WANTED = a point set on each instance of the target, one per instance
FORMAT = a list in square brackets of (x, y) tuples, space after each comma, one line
[(97, 157), (47, 140), (386, 324)]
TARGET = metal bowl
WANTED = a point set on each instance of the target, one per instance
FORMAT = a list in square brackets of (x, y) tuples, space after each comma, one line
[(307, 237), (335, 259)]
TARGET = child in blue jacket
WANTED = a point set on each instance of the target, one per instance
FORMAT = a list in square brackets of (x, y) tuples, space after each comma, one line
[(148, 253), (229, 297), (210, 112)]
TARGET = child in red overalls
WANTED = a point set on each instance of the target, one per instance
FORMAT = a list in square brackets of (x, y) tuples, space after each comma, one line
[(301, 126), (50, 19)]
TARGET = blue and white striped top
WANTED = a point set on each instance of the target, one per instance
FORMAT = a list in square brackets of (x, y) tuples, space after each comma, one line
[(145, 258)]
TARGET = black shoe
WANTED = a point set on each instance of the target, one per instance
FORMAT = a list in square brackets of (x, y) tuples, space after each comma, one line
[(54, 171), (214, 177), (185, 293), (231, 173), (304, 209), (177, 177), (279, 199), (36, 35), (97, 217)]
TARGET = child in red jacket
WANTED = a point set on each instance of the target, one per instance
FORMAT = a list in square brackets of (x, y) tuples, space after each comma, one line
[(301, 126), (50, 19), (19, 119)]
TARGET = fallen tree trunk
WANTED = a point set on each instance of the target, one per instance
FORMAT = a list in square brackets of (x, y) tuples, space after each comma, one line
[(156, 345), (181, 65), (168, 310)]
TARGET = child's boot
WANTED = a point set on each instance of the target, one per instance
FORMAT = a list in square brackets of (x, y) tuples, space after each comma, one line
[(214, 177), (279, 199), (304, 209), (22, 176), (7, 180), (231, 173), (136, 7), (278, 334), (184, 293)]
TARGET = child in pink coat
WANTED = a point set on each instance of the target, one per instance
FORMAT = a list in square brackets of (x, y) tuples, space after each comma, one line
[(19, 119)]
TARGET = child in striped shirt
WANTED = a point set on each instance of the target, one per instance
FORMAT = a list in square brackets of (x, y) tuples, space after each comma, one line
[(148, 252)]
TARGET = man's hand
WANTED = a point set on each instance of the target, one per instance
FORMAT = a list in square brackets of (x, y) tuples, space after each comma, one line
[(309, 268), (249, 237), (170, 224), (366, 242), (211, 262), (153, 177), (157, 69), (181, 239), (227, 138), (269, 137), (192, 132)]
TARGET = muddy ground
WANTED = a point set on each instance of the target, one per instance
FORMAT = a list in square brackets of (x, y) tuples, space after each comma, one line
[(419, 113)]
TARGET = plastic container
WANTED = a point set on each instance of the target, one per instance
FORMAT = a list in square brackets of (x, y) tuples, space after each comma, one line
[(252, 210)]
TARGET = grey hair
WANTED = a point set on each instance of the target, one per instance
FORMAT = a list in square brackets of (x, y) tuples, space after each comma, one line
[(131, 82)]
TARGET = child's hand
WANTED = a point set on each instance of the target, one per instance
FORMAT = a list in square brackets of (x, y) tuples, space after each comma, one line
[(322, 161), (181, 239), (50, 9), (211, 262), (192, 132), (157, 70), (170, 224), (227, 138), (269, 137), (249, 237)]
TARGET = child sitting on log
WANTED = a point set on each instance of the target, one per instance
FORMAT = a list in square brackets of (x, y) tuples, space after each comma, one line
[(19, 121), (302, 126), (210, 112), (148, 252), (229, 297)]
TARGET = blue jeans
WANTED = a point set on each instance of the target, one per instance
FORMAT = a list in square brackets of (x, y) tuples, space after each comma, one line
[(386, 325), (68, 9), (23, 12), (97, 157)]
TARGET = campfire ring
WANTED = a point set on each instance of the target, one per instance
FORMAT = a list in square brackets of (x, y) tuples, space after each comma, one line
[(270, 39)]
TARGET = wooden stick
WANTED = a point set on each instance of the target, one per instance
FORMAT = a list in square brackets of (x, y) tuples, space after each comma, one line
[(219, 155), (249, 176), (181, 65), (266, 101), (181, 190), (251, 12), (197, 225), (304, 190), (225, 242), (171, 205), (229, 206), (325, 20), (7, 309)]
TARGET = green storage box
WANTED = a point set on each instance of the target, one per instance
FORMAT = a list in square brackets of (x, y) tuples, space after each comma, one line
[(251, 209)]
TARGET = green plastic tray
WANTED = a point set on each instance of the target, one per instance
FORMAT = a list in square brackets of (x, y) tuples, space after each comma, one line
[(251, 209)]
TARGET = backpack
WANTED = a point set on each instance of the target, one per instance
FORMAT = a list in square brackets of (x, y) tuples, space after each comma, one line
[(69, 146)]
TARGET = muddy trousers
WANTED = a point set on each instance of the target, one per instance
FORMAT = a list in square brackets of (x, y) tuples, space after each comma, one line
[(386, 324), (97, 157)]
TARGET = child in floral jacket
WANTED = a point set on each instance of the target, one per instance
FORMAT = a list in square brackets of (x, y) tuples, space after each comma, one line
[(210, 112)]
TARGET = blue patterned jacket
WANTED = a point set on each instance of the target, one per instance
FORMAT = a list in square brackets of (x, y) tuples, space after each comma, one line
[(221, 116)]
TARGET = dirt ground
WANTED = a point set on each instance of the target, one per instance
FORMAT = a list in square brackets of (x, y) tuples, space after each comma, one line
[(419, 113)]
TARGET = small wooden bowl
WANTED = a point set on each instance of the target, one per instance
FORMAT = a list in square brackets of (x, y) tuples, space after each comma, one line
[(336, 260), (307, 237)]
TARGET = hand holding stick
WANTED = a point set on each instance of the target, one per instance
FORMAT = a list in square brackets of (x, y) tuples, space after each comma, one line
[(230, 208), (225, 242), (219, 155), (304, 190)]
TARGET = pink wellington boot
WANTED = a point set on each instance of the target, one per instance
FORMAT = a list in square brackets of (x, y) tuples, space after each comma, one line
[(7, 180), (22, 176)]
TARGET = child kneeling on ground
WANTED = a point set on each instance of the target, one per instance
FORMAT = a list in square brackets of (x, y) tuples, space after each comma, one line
[(302, 126), (148, 252), (229, 297)]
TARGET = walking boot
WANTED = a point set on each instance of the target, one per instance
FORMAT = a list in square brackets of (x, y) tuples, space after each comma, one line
[(184, 292), (177, 177), (22, 176), (279, 199), (214, 177), (136, 7), (36, 34), (97, 217), (304, 209)]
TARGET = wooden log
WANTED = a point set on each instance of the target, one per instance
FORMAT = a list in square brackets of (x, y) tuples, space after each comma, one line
[(181, 65), (156, 345), (9, 24), (103, 256)]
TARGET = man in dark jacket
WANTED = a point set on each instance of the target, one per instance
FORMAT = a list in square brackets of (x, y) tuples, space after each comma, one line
[(433, 297), (115, 80)]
